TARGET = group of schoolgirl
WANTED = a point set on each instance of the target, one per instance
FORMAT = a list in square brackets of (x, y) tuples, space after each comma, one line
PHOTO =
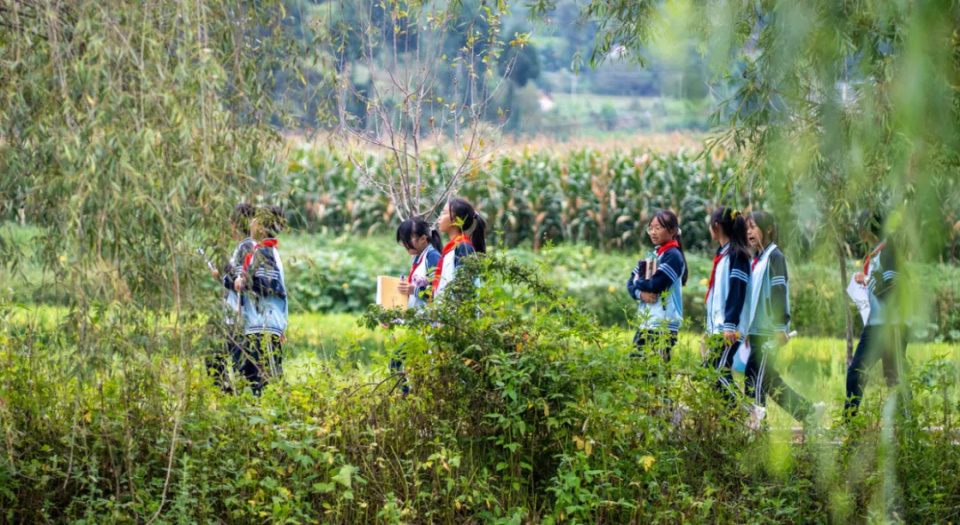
[(748, 308), (747, 300), (255, 299)]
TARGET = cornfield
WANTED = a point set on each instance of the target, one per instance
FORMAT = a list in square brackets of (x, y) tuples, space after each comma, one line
[(598, 198)]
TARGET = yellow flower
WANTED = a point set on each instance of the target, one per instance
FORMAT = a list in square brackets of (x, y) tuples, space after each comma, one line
[(63, 259), (704, 282), (612, 288), (647, 462), (345, 286), (584, 266)]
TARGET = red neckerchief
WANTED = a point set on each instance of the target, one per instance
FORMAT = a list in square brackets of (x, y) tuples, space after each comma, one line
[(866, 263), (756, 258), (416, 263), (667, 246), (713, 274), (269, 243), (452, 245)]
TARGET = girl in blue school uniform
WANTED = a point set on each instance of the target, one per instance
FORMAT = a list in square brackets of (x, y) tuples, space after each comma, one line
[(884, 336), (660, 296), (726, 297), (423, 245), (466, 231), (769, 319)]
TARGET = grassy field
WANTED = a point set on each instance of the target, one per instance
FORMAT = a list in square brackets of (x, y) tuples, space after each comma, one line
[(814, 367)]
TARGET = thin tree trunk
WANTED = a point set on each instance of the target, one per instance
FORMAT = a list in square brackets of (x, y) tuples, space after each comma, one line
[(842, 259)]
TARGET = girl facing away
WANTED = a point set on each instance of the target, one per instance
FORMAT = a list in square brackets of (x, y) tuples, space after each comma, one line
[(726, 297)]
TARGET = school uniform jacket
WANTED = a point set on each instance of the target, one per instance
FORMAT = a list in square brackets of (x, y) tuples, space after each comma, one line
[(234, 266), (426, 267), (771, 314), (668, 281), (266, 310), (451, 262), (883, 278), (726, 302)]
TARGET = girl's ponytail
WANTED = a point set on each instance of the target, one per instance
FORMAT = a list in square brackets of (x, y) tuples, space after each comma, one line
[(734, 226), (435, 240), (418, 226), (470, 223), (479, 235)]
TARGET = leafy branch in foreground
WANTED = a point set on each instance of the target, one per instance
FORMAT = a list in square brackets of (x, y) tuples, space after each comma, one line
[(132, 128)]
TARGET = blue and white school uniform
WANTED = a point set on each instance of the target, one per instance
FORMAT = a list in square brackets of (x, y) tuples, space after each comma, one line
[(666, 314), (726, 304), (726, 299), (450, 260), (769, 313), (668, 281), (884, 338), (422, 270)]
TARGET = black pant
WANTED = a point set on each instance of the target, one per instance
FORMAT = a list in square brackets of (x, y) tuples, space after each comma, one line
[(762, 379), (397, 366), (259, 360), (720, 358), (217, 363), (646, 340), (887, 343)]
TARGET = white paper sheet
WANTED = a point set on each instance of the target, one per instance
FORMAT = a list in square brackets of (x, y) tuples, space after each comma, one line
[(861, 297)]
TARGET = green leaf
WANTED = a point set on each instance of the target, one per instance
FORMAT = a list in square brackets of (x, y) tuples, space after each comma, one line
[(345, 476)]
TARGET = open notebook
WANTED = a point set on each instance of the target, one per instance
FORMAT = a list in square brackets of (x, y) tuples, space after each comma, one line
[(387, 294)]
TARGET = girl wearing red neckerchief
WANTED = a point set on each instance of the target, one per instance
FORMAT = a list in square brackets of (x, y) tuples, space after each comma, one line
[(423, 245), (659, 288), (465, 230), (726, 297), (884, 337)]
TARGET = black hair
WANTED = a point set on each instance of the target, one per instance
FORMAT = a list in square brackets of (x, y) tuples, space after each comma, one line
[(872, 221), (766, 223), (668, 220), (734, 226), (273, 220), (240, 218), (417, 226), (468, 220)]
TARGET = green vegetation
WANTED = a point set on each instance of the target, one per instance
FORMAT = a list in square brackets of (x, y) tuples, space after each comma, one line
[(515, 416), (128, 129)]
